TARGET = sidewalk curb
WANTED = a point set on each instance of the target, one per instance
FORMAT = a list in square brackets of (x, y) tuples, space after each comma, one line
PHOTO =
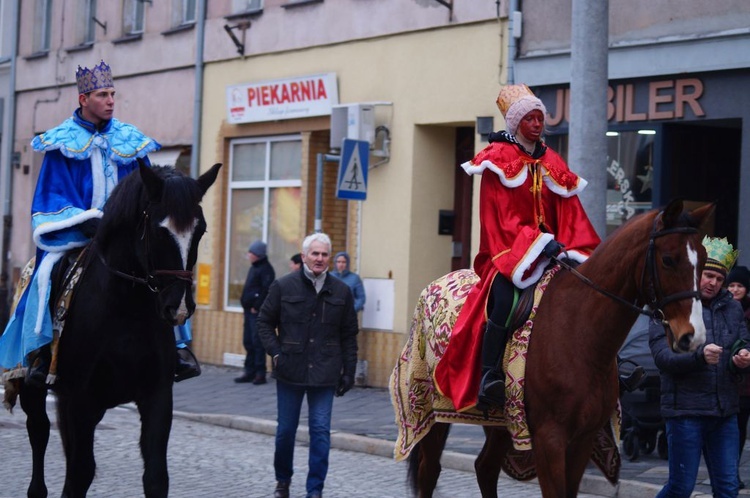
[(590, 484)]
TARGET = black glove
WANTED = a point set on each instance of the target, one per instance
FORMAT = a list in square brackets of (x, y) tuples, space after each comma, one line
[(552, 249), (345, 383), (88, 227)]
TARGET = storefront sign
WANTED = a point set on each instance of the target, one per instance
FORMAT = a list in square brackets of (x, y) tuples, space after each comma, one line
[(273, 100), (635, 102)]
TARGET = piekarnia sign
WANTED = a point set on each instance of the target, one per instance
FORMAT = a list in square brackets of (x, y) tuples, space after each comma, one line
[(292, 98)]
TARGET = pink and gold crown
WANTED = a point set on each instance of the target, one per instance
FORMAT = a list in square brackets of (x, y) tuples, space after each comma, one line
[(93, 79)]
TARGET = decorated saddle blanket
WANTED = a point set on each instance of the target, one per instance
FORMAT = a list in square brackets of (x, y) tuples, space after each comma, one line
[(64, 291), (418, 405)]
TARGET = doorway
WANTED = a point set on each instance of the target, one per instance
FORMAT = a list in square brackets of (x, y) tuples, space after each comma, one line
[(462, 199), (701, 162)]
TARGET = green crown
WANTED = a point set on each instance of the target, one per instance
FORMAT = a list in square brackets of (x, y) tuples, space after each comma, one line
[(721, 251)]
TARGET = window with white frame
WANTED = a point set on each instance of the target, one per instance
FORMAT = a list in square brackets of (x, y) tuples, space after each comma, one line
[(42, 25), (188, 11), (132, 16), (239, 6), (88, 33), (183, 12), (264, 204)]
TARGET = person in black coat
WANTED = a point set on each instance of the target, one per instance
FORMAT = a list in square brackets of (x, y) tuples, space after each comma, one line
[(309, 327), (699, 390), (259, 278)]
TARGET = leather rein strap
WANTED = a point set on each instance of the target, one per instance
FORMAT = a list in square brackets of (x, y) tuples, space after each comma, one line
[(151, 280), (657, 305)]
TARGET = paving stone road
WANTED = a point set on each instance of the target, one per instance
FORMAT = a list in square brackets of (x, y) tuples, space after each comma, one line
[(207, 461)]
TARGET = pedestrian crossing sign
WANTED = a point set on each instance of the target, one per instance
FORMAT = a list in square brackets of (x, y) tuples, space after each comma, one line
[(352, 179)]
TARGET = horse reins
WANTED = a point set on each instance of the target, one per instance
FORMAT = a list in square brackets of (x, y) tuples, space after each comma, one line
[(151, 280), (655, 304)]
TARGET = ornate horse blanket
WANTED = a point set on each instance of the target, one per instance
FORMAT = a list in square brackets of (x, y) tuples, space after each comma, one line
[(418, 405)]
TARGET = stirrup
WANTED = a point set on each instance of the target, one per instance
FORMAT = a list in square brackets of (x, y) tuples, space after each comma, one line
[(187, 365), (492, 391), (38, 369)]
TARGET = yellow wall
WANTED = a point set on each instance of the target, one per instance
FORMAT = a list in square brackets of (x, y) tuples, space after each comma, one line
[(436, 80)]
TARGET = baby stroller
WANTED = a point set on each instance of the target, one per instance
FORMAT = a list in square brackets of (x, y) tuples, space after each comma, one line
[(643, 428)]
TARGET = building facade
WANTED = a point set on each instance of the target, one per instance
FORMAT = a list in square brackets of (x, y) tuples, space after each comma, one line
[(416, 76), (265, 78), (676, 109), (270, 87)]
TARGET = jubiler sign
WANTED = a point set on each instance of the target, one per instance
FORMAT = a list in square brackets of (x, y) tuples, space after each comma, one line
[(282, 99)]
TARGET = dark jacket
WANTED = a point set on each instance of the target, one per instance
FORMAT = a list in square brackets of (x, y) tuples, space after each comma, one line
[(258, 281), (690, 386), (314, 334)]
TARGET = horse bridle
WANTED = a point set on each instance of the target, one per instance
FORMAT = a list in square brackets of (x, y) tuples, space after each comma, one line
[(655, 305), (151, 280)]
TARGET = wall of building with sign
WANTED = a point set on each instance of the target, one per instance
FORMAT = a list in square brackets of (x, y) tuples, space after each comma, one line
[(672, 136), (393, 235), (675, 104)]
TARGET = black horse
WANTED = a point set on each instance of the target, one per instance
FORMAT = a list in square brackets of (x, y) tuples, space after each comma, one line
[(118, 344)]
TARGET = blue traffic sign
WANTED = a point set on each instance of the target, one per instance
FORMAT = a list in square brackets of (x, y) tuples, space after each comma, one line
[(352, 179)]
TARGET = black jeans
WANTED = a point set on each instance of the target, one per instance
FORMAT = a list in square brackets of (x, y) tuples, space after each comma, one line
[(255, 361)]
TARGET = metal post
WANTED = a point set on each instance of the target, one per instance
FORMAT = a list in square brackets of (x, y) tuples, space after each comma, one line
[(588, 104), (8, 141), (198, 100), (322, 158)]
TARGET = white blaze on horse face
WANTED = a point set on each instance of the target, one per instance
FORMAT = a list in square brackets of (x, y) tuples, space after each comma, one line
[(696, 314), (183, 240)]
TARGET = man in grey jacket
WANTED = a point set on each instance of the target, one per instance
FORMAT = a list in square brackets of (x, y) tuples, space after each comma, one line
[(699, 390), (309, 327)]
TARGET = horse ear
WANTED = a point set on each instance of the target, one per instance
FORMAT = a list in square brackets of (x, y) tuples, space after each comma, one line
[(209, 177), (671, 214), (700, 217), (154, 185)]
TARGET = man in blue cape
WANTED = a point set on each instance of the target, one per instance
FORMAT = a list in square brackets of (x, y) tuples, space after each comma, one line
[(84, 159)]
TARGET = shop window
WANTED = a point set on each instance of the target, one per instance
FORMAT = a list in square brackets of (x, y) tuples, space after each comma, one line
[(630, 166), (264, 204), (42, 25)]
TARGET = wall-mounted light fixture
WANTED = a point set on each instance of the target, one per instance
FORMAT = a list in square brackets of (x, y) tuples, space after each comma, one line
[(243, 26), (485, 125)]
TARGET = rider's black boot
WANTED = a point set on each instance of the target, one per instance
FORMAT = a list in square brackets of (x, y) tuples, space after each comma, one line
[(492, 385), (39, 362), (187, 365)]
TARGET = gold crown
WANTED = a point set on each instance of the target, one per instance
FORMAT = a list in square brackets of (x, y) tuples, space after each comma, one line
[(721, 254), (510, 94)]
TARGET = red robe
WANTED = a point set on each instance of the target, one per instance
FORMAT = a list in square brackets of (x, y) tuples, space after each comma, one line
[(523, 204)]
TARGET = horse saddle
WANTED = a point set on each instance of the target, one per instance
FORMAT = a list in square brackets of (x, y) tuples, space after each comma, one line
[(520, 313), (65, 276), (522, 309)]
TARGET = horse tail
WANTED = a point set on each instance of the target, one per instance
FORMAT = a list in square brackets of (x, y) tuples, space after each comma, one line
[(425, 457), (12, 387)]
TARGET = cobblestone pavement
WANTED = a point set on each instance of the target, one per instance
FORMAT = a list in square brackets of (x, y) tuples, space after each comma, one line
[(207, 461), (221, 441)]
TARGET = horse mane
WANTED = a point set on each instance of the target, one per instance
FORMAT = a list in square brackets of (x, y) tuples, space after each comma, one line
[(124, 209), (634, 225)]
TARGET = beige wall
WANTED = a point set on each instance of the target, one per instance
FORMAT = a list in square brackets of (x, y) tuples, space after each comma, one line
[(435, 83)]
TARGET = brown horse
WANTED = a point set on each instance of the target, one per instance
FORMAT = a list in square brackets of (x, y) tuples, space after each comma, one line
[(571, 386)]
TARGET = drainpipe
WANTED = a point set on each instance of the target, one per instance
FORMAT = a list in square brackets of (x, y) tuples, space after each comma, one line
[(513, 15), (198, 102), (7, 153)]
